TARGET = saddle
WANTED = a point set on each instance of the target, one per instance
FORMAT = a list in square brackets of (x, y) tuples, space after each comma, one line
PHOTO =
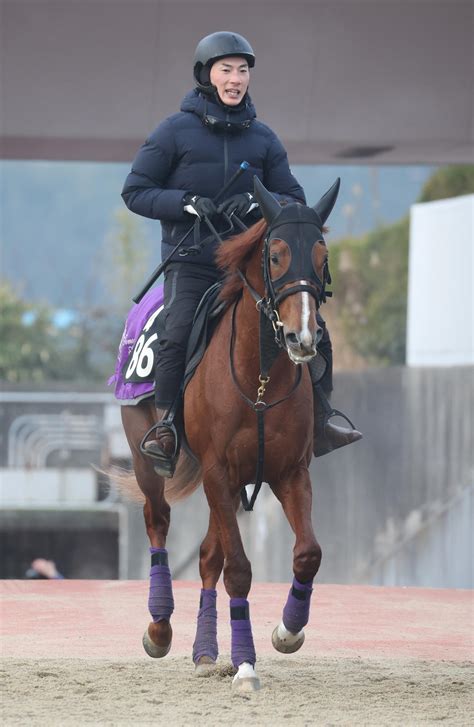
[(207, 315)]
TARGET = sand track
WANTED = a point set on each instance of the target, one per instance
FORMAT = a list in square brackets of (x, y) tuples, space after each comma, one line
[(295, 690)]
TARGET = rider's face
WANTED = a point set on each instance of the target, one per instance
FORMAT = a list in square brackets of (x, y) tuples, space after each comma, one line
[(231, 78)]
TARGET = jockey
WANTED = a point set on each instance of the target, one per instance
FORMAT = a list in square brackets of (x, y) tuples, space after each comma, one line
[(175, 176)]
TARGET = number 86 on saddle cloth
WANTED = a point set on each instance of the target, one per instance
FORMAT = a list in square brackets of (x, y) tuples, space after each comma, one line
[(135, 366)]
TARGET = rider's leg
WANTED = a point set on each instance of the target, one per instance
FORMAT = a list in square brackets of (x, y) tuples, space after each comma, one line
[(327, 436), (184, 286)]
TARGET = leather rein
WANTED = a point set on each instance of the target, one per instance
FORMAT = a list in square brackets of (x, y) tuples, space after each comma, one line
[(271, 343)]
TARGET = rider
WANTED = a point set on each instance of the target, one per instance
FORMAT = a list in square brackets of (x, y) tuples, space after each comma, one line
[(176, 175)]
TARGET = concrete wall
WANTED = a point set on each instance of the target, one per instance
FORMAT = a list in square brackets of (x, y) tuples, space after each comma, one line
[(438, 553), (47, 487), (395, 508), (385, 508)]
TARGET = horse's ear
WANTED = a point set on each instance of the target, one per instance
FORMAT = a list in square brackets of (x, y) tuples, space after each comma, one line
[(327, 201), (269, 207)]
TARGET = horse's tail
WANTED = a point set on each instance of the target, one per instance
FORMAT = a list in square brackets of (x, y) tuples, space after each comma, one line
[(125, 482), (186, 480)]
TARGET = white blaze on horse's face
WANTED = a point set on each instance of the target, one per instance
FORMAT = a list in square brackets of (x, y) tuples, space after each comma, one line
[(301, 329)]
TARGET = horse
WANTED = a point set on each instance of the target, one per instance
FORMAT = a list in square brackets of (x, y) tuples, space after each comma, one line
[(275, 276)]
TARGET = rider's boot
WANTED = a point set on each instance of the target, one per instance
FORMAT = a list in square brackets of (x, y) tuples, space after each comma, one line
[(164, 448), (327, 436)]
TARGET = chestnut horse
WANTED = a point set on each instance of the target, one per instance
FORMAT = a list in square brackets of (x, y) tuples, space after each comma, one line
[(220, 405)]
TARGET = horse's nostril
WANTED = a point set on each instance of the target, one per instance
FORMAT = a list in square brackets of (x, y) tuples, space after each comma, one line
[(319, 335), (292, 338)]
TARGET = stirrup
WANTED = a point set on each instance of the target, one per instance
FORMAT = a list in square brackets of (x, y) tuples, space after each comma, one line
[(324, 445), (336, 413), (164, 464), (335, 437)]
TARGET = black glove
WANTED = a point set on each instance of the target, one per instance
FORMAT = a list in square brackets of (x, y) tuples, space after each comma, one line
[(239, 204), (199, 206)]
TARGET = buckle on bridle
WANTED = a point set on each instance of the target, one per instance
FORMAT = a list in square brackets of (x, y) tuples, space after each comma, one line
[(260, 404), (276, 322)]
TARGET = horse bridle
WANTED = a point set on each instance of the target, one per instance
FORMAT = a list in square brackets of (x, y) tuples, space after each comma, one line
[(297, 270), (275, 291)]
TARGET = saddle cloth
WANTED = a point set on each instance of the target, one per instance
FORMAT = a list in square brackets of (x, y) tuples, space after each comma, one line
[(134, 376)]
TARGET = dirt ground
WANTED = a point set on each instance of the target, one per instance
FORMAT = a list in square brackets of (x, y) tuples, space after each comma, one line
[(295, 691)]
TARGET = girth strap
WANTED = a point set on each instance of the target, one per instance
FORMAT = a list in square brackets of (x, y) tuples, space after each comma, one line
[(246, 503)]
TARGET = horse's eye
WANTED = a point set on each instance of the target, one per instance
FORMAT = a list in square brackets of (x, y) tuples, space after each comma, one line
[(274, 259)]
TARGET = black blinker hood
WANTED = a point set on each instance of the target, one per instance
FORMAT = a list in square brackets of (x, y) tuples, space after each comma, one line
[(271, 209), (300, 227)]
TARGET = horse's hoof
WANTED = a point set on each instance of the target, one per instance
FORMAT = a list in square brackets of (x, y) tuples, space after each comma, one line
[(163, 633), (204, 666), (245, 681), (285, 641)]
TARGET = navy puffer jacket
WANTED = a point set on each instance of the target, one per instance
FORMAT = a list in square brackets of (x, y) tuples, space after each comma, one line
[(187, 155)]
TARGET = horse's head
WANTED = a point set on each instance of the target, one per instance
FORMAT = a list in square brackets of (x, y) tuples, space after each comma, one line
[(295, 265)]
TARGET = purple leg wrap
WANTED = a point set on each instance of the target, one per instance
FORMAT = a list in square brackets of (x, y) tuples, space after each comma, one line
[(205, 643), (242, 640), (296, 611), (160, 600)]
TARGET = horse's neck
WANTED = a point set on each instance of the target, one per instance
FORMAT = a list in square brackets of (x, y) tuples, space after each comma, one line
[(247, 332)]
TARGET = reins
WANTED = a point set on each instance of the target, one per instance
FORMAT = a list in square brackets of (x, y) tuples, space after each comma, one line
[(267, 354), (268, 310)]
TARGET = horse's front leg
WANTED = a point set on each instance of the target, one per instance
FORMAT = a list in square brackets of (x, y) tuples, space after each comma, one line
[(237, 575), (295, 495), (157, 638), (211, 561)]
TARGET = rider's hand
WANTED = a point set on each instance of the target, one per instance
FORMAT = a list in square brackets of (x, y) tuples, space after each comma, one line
[(199, 206), (239, 204)]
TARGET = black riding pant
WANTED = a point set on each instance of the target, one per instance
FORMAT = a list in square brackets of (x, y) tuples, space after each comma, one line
[(185, 284), (320, 373)]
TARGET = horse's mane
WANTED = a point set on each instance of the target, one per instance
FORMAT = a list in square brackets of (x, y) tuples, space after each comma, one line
[(234, 254)]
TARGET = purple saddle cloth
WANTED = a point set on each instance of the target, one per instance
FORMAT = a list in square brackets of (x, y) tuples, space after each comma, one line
[(135, 367)]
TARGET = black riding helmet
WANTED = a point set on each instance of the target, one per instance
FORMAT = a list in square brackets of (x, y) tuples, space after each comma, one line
[(215, 46)]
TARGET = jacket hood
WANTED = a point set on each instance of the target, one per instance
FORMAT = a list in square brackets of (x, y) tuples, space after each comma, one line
[(206, 107)]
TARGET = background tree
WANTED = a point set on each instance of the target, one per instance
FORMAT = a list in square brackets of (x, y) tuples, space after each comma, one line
[(36, 349), (29, 348), (125, 260), (370, 276), (446, 182)]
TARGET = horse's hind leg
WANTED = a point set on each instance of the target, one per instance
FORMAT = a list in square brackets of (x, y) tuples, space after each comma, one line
[(295, 495), (211, 561), (157, 638)]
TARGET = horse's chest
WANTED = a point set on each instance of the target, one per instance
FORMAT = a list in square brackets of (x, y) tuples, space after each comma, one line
[(285, 444)]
